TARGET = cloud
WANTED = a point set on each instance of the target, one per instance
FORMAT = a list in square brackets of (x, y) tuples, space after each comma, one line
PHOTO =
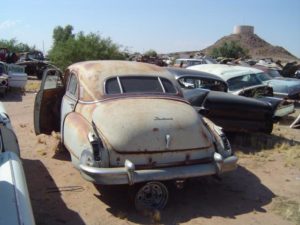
[(8, 24)]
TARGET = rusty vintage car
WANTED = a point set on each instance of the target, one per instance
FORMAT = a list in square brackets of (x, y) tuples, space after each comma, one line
[(126, 123)]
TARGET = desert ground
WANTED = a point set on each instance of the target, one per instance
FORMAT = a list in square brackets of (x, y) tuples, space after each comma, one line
[(265, 189)]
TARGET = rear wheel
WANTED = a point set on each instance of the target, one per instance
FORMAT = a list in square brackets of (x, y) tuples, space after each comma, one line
[(151, 196)]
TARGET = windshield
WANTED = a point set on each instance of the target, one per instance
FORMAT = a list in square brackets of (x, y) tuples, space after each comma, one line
[(197, 82), (244, 81), (274, 73), (119, 85), (264, 76)]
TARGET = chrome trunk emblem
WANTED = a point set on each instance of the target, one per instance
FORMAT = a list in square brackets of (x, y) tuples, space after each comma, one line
[(168, 139)]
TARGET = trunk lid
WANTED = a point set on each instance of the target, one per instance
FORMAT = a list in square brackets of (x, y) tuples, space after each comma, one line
[(136, 125)]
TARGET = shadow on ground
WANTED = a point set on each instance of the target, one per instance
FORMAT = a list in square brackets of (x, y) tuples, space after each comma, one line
[(46, 197), (13, 95), (62, 154), (255, 142), (238, 193)]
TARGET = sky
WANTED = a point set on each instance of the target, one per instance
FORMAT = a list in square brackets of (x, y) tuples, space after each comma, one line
[(162, 25)]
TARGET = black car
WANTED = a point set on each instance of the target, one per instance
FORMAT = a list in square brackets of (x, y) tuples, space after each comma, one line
[(208, 94)]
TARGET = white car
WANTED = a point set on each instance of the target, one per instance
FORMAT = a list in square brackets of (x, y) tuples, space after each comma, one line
[(16, 74), (245, 81), (15, 206)]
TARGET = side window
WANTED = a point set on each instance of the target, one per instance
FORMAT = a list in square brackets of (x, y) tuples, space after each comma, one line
[(72, 86), (169, 87), (53, 80), (112, 86)]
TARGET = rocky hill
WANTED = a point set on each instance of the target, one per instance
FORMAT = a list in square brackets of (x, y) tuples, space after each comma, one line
[(258, 48)]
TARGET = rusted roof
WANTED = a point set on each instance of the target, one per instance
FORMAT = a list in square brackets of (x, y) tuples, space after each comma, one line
[(92, 74)]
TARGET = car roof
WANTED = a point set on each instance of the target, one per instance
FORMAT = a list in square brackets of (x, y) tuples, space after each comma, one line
[(188, 59), (225, 71), (180, 72), (93, 74)]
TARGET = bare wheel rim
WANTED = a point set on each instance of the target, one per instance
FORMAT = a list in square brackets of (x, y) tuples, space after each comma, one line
[(153, 195)]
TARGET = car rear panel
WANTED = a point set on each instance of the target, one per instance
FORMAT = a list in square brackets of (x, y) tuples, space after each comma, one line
[(164, 130)]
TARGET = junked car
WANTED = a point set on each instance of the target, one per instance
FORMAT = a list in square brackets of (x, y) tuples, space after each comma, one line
[(244, 81), (283, 87), (126, 123), (183, 62), (3, 81), (34, 63), (16, 74), (15, 206), (207, 93)]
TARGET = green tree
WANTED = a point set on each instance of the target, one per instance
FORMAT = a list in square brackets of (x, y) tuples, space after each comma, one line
[(69, 48), (151, 53), (14, 46), (61, 34), (230, 50)]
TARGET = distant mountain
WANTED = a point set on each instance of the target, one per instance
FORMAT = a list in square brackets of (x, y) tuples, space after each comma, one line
[(258, 48)]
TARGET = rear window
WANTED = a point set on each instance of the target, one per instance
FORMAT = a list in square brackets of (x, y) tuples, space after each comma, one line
[(118, 85)]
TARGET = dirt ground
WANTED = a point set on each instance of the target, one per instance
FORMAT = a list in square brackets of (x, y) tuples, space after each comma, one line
[(265, 189)]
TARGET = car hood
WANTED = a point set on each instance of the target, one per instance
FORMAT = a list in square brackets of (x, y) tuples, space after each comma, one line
[(285, 85), (135, 125)]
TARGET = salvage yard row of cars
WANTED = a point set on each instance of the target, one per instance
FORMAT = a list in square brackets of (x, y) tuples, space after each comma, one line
[(129, 122)]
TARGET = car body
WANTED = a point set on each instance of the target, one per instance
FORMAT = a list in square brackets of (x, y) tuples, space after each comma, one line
[(283, 87), (3, 54), (244, 81), (15, 206), (207, 93), (34, 61), (126, 122), (17, 77), (3, 82), (183, 62)]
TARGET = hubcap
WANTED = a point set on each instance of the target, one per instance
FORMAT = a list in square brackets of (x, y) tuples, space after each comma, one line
[(153, 195)]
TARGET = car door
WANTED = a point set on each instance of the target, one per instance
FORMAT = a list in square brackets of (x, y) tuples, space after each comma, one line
[(70, 99), (48, 102)]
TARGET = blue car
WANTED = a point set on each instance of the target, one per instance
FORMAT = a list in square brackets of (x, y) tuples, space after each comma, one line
[(282, 87)]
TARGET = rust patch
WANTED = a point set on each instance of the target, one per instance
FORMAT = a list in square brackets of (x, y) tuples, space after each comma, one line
[(179, 163), (162, 151), (155, 129)]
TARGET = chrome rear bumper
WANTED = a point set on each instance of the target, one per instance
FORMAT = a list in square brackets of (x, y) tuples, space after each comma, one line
[(129, 175)]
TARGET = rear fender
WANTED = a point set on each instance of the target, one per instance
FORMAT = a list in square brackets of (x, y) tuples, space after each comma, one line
[(275, 103), (76, 133)]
